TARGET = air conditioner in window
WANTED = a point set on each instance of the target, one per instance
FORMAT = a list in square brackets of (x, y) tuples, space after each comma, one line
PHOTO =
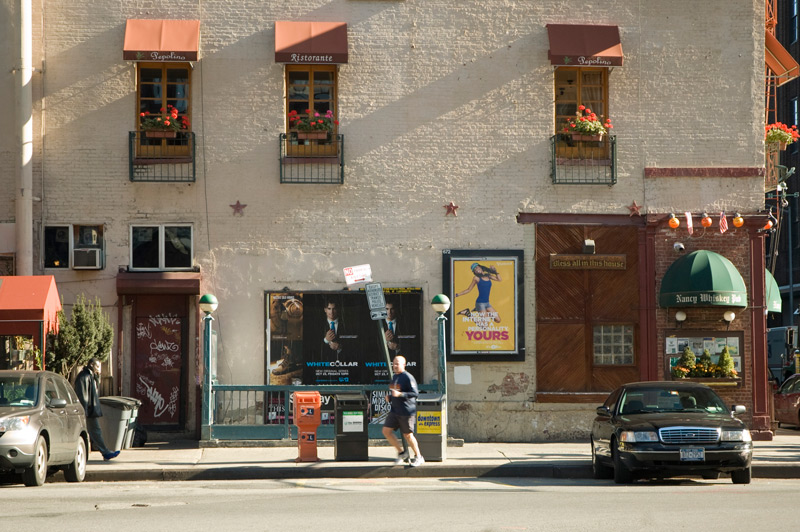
[(87, 259)]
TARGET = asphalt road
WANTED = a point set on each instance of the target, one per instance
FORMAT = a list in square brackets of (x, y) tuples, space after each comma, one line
[(463, 504)]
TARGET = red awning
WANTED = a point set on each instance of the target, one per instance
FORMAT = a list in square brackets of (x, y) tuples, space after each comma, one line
[(780, 61), (310, 42), (26, 302), (161, 40), (584, 45)]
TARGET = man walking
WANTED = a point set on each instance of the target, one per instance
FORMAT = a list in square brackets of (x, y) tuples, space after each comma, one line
[(403, 397), (86, 388)]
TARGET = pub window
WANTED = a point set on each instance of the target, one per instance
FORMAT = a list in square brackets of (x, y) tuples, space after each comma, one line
[(613, 345), (162, 247), (161, 86), (580, 86)]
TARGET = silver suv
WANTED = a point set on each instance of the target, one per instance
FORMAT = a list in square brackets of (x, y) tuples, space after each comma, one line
[(42, 427)]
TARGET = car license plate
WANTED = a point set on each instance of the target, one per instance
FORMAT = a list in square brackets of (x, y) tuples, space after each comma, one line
[(693, 454)]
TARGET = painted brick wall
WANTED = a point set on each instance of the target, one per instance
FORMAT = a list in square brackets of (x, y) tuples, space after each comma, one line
[(441, 101)]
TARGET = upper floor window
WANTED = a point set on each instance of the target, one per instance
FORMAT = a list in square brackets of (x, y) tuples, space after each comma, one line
[(793, 23), (311, 89), (162, 87), (162, 247), (73, 246), (580, 86)]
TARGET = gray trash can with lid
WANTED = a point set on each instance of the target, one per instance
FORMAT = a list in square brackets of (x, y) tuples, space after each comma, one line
[(118, 413), (431, 426), (351, 441)]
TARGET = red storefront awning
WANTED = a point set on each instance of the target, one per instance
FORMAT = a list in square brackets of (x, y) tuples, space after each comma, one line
[(584, 45), (32, 298), (161, 40), (310, 42), (780, 61)]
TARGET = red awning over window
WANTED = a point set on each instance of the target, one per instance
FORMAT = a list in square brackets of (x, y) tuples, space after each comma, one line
[(161, 40), (310, 42), (26, 301), (780, 61), (584, 45)]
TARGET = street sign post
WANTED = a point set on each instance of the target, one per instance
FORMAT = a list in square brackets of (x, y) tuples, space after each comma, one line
[(357, 274), (375, 298)]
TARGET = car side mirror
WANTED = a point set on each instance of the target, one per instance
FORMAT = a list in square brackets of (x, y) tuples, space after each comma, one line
[(603, 411), (738, 409), (57, 402)]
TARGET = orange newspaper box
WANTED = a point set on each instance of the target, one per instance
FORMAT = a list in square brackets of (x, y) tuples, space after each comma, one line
[(307, 419)]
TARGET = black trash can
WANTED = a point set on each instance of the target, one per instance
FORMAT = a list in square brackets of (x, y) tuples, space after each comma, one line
[(351, 441), (431, 428), (118, 414)]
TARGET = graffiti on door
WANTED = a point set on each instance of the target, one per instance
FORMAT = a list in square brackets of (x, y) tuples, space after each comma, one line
[(158, 368)]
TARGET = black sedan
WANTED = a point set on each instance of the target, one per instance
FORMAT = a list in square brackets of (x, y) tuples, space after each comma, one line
[(663, 429)]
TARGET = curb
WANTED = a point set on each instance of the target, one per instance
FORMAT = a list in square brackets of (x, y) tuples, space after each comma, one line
[(577, 470)]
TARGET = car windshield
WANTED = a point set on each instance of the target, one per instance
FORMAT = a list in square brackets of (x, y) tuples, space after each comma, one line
[(18, 391), (678, 399)]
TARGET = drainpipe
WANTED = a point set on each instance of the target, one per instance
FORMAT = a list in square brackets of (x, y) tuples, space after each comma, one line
[(24, 190)]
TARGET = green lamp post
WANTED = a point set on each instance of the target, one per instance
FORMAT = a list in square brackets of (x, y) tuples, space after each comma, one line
[(208, 304)]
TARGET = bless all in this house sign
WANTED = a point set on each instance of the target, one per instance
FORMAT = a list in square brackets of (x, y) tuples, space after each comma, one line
[(587, 262)]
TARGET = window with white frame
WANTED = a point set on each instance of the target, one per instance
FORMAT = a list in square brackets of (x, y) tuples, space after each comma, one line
[(162, 247), (613, 345), (77, 246)]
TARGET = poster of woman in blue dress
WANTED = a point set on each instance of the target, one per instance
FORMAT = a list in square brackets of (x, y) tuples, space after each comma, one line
[(482, 278)]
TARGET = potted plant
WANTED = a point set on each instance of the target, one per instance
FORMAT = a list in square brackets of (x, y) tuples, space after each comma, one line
[(312, 125), (779, 135), (587, 125), (164, 125), (688, 366)]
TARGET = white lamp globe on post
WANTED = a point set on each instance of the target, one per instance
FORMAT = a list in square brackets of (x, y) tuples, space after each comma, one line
[(441, 304), (208, 304)]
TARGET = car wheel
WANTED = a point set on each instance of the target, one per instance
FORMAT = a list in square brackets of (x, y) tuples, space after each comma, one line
[(599, 469), (622, 474), (741, 476), (35, 475), (76, 471)]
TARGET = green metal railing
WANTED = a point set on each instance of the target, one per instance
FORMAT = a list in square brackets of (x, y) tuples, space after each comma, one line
[(583, 162), (264, 412), (160, 159), (312, 161)]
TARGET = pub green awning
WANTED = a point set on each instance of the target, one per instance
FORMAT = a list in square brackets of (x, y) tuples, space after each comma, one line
[(703, 279), (773, 293)]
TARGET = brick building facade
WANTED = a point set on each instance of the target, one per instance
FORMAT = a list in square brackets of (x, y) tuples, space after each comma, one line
[(437, 102)]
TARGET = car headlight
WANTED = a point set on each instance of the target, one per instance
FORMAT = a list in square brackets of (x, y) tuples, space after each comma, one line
[(14, 423), (735, 435), (638, 436)]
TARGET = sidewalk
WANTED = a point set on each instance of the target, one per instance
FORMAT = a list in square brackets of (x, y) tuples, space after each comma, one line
[(187, 460)]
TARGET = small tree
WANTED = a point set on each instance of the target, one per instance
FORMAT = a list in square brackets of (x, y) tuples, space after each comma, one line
[(86, 334), (725, 363), (688, 358)]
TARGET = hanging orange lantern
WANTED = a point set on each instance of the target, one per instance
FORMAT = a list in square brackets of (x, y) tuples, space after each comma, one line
[(738, 221), (768, 226), (705, 221), (674, 222)]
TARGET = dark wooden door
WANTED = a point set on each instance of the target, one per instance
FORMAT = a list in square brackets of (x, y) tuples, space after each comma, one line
[(571, 303), (159, 359)]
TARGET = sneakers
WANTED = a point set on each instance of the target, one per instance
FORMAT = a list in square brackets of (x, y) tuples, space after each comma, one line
[(417, 461), (110, 456), (401, 458)]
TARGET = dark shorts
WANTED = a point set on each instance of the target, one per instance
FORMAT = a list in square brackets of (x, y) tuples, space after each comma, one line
[(404, 423)]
